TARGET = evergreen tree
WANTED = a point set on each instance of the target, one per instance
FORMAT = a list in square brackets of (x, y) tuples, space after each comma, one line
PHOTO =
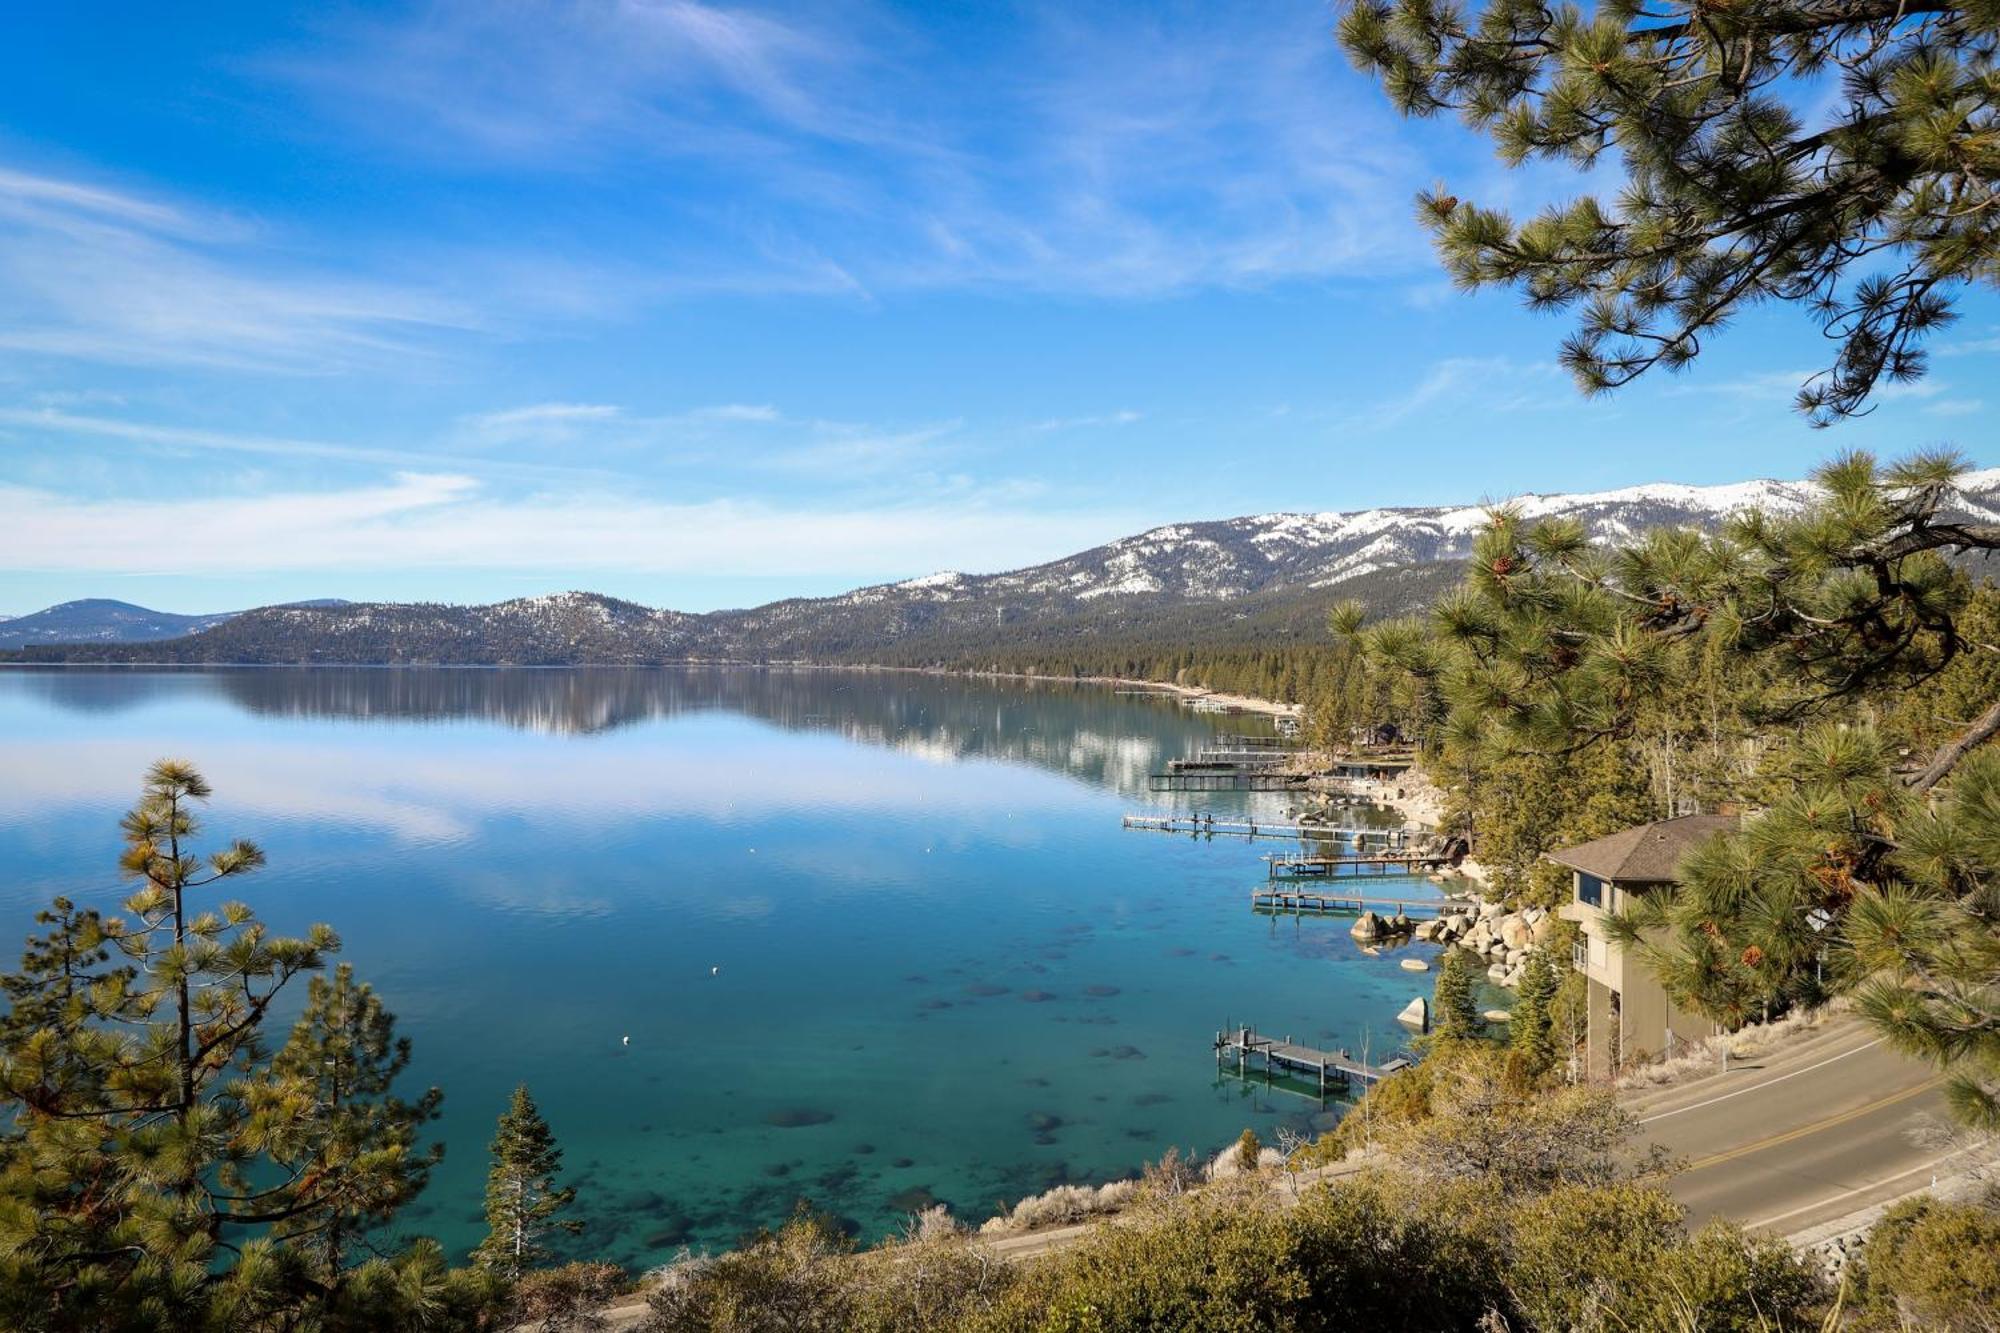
[(1855, 878), (156, 1161), (1530, 1030), (342, 1059), (1456, 1005), (1730, 197), (522, 1198)]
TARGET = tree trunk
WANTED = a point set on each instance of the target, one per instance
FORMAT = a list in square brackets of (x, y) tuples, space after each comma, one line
[(1948, 755)]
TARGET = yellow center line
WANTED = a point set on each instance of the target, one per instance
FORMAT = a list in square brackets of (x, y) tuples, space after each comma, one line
[(1815, 1127)]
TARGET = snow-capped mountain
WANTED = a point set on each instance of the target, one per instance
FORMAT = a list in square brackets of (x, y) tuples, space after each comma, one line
[(1244, 579)]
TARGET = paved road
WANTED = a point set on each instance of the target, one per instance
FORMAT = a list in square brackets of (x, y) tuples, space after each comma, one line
[(1824, 1128)]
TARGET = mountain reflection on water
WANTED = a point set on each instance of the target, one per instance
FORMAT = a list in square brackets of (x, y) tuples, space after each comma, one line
[(878, 939), (1084, 730)]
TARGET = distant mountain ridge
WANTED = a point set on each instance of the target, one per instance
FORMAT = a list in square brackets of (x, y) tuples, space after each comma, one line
[(1260, 579), (103, 620)]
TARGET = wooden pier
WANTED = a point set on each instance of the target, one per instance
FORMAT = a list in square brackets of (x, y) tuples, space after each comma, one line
[(1258, 828), (1350, 904), (1326, 867), (1238, 741), (1242, 758), (1252, 1049), (1232, 780)]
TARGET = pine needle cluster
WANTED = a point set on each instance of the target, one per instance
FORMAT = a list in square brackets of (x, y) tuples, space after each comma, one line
[(1731, 196)]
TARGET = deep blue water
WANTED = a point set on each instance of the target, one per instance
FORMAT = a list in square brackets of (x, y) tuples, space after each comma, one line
[(945, 971)]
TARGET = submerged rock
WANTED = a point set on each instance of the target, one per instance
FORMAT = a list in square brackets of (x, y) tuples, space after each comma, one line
[(798, 1117)]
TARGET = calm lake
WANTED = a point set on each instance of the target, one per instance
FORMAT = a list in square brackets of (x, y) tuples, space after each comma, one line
[(876, 939)]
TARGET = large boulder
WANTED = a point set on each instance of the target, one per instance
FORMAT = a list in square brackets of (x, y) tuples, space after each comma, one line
[(1543, 929), (1479, 937), (1428, 930), (1497, 973), (1416, 1015), (1491, 911), (1367, 926), (1516, 932)]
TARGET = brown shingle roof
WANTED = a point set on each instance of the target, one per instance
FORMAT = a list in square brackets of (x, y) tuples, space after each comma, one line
[(1648, 854)]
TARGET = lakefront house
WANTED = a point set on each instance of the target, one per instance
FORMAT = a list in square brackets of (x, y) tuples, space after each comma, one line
[(1630, 1016)]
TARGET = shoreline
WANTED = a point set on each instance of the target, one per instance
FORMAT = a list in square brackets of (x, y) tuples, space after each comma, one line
[(1245, 702), (1248, 703)]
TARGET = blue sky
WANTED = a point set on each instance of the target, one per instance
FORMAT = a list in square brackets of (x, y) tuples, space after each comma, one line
[(706, 304)]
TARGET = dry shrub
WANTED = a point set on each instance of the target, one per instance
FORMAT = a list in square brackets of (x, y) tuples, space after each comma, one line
[(558, 1300), (1705, 1057), (1062, 1206)]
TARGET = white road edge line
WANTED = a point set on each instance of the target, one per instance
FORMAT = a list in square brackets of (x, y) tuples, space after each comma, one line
[(1767, 1083), (1931, 1165)]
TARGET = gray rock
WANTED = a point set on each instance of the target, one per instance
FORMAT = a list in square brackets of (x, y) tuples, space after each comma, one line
[(1416, 1015)]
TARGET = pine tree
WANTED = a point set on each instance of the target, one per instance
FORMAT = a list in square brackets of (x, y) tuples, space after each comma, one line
[(343, 1057), (1456, 1015), (522, 1198), (157, 1165), (1730, 198), (1856, 878), (1529, 1030)]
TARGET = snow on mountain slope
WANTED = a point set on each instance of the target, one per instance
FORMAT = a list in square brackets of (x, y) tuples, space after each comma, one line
[(1179, 579), (1232, 557)]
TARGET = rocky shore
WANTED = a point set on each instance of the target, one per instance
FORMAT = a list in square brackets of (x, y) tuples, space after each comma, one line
[(1503, 938)]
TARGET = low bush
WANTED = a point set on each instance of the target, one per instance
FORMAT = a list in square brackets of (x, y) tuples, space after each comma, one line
[(1935, 1266), (1062, 1206)]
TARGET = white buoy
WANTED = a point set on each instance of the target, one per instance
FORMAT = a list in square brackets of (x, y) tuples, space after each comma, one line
[(625, 1041), (715, 971)]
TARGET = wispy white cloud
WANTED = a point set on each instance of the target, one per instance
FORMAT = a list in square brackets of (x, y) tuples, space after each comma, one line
[(417, 522), (737, 437), (762, 413), (98, 273), (842, 150), (1123, 417), (49, 423), (1496, 384), (1955, 407), (538, 422), (1981, 346)]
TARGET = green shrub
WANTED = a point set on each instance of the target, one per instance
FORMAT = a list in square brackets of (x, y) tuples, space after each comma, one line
[(1216, 1261), (788, 1281), (1619, 1257), (1249, 1152), (1934, 1266)]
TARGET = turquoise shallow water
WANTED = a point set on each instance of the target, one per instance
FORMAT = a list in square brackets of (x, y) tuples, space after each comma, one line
[(944, 971)]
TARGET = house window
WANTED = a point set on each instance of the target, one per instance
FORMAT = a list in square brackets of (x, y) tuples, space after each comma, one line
[(1592, 890)]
